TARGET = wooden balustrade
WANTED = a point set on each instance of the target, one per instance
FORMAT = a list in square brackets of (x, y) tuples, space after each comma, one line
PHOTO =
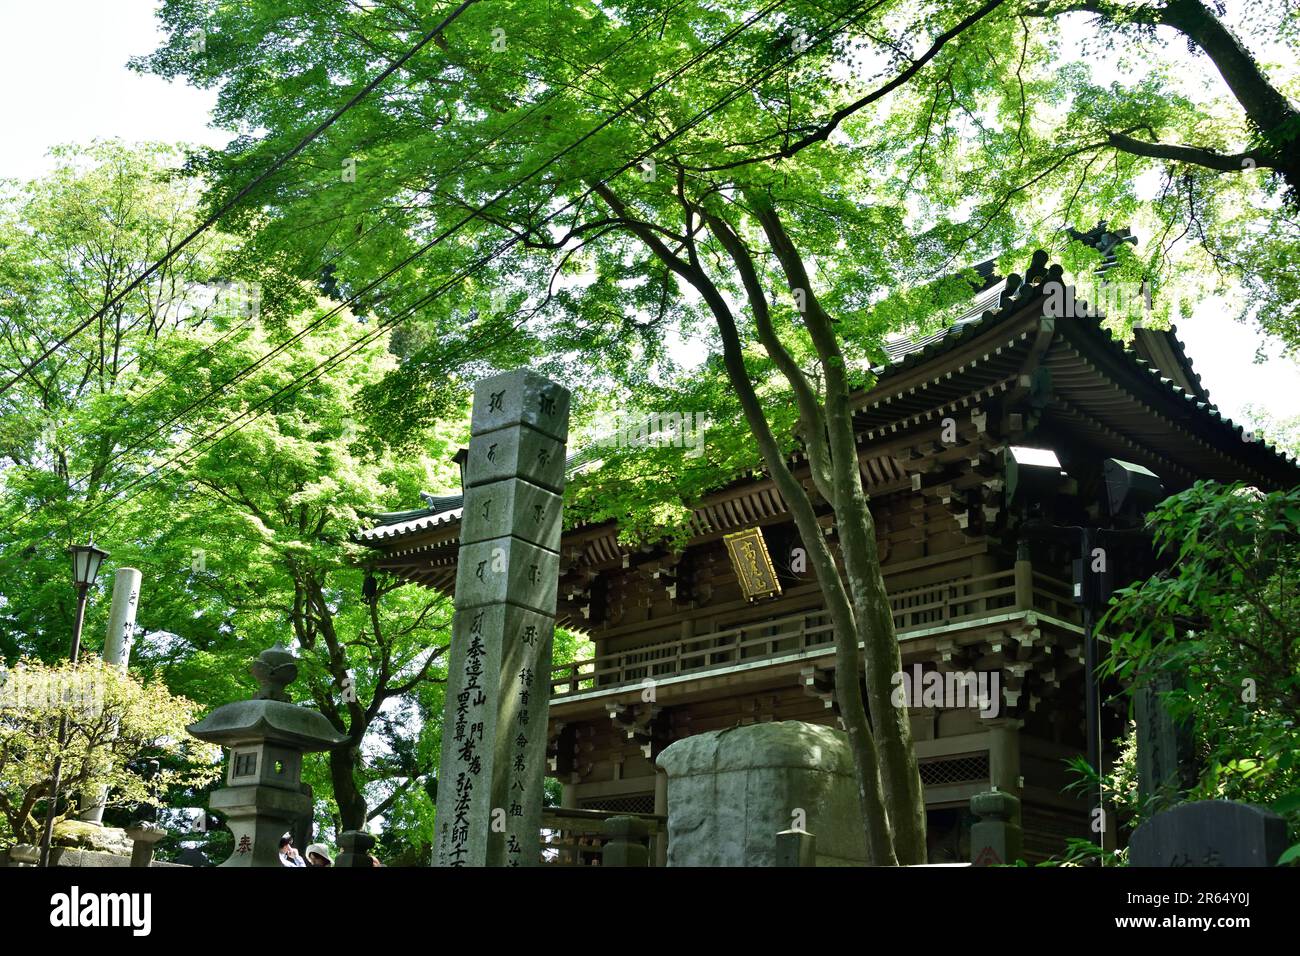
[(932, 605)]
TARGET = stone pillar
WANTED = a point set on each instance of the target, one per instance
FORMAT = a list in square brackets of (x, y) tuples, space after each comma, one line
[(355, 847), (121, 617), (625, 843), (661, 810), (304, 829), (996, 839), (143, 836), (1165, 747), (117, 650), (569, 796), (494, 738), (796, 848)]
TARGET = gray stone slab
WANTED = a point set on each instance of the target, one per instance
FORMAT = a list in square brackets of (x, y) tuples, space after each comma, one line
[(507, 570), (521, 397), (520, 452), (517, 508), (1209, 833)]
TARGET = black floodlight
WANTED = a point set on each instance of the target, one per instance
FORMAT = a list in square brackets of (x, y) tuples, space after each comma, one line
[(1131, 490), (1032, 474)]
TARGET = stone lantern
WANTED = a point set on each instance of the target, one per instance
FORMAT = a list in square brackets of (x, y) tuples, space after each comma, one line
[(264, 797)]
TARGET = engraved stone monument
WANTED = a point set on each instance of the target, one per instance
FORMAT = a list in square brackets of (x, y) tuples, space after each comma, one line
[(494, 729), (1209, 833)]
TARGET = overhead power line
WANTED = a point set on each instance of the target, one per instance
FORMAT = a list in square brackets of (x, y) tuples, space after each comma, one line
[(470, 156), (330, 362), (239, 196)]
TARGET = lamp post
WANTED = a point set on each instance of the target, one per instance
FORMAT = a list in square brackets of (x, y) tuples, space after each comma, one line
[(86, 559)]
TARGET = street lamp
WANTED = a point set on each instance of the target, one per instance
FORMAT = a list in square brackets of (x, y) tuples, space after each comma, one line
[(86, 559)]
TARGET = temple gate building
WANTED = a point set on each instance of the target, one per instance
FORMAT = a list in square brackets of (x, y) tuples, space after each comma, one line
[(974, 444)]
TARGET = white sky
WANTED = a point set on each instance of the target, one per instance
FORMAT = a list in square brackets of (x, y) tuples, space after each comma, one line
[(86, 91)]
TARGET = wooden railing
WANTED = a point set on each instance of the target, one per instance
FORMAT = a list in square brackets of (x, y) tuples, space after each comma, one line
[(933, 605)]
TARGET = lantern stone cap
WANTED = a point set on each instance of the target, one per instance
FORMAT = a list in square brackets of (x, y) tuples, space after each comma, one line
[(267, 721), (269, 717)]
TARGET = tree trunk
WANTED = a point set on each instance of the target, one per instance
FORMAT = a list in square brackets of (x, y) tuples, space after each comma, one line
[(344, 762), (899, 773)]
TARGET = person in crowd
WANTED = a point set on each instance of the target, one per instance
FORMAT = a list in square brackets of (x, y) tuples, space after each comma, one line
[(288, 852), (318, 854)]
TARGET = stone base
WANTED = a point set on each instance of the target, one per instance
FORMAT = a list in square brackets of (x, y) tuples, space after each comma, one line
[(258, 816), (64, 857), (730, 792)]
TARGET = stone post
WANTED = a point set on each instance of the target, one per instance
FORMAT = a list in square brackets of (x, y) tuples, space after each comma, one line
[(1165, 747), (626, 842), (355, 847), (661, 810), (144, 835), (996, 839), (1004, 758), (796, 848), (117, 650), (494, 738)]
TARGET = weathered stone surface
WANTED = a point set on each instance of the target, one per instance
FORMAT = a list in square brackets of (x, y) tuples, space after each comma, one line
[(730, 792), (517, 508), (515, 453), (80, 835), (626, 842), (521, 397), (796, 848), (1209, 833), (507, 569), (494, 742)]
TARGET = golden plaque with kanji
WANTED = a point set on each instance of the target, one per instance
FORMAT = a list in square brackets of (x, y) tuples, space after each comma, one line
[(753, 564)]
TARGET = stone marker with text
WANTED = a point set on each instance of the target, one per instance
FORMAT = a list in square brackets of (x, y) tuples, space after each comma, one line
[(494, 728)]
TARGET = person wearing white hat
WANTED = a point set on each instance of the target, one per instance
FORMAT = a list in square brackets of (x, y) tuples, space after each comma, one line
[(318, 854)]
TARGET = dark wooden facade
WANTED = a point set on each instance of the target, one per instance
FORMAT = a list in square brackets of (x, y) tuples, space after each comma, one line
[(970, 589)]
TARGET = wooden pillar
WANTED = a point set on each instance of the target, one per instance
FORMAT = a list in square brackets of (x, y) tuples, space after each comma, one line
[(1004, 759), (1024, 586), (981, 565)]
